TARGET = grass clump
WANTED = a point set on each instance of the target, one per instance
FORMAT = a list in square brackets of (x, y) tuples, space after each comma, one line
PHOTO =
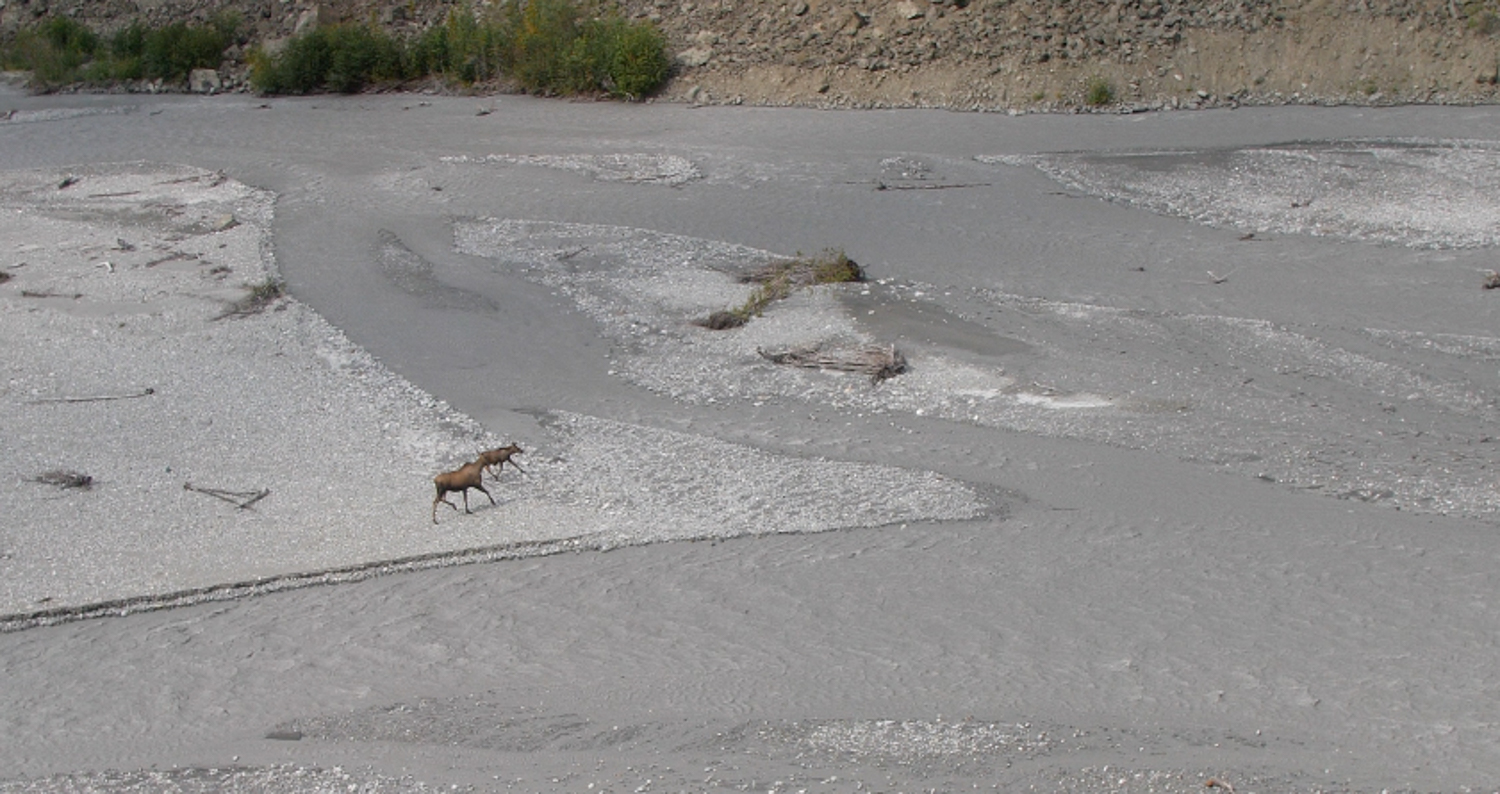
[(262, 294), (779, 280), (61, 51), (1099, 92)]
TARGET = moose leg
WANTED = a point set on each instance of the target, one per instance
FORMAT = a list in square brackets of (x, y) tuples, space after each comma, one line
[(435, 500), (487, 493), (513, 463), (466, 500)]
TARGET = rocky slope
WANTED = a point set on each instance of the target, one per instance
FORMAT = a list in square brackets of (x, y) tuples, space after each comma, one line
[(992, 54)]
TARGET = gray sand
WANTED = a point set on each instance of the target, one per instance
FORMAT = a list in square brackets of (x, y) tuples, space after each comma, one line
[(1191, 478)]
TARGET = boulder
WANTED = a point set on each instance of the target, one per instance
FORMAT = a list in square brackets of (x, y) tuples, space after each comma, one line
[(205, 81)]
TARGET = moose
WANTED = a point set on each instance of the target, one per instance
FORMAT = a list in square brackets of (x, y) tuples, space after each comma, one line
[(498, 457), (469, 475)]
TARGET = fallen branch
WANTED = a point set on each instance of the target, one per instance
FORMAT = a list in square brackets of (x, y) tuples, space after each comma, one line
[(217, 176), (147, 392), (778, 280), (65, 478), (29, 293), (880, 363), (241, 499), (172, 257), (950, 186)]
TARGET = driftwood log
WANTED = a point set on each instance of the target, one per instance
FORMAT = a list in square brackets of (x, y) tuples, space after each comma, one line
[(878, 361)]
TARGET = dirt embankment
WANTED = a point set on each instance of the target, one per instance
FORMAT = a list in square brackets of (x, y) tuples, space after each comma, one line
[(992, 54)]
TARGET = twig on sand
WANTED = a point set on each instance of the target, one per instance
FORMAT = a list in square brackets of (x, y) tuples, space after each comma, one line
[(146, 392), (65, 478), (879, 362), (29, 293), (241, 499), (1216, 783), (1215, 278)]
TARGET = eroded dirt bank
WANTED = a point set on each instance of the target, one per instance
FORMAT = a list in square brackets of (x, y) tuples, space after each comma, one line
[(988, 54)]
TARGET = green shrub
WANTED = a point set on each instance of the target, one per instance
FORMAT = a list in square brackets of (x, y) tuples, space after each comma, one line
[(69, 35), (545, 46), (343, 58), (126, 48), (170, 53), (1099, 92), (361, 55), (54, 51), (61, 51), (461, 49), (544, 54), (297, 69), (632, 60)]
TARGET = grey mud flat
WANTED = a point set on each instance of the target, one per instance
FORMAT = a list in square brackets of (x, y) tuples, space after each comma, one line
[(1192, 477)]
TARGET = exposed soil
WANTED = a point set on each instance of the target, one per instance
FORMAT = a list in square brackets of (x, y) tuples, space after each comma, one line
[(986, 54)]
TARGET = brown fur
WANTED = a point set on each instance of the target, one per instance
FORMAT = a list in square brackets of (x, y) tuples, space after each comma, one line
[(469, 475)]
